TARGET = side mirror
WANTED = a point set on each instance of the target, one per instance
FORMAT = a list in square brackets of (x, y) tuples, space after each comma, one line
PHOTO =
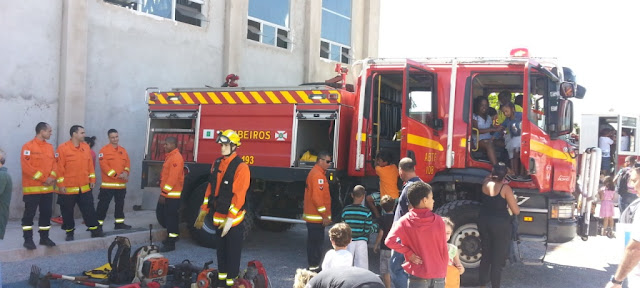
[(568, 89), (580, 91)]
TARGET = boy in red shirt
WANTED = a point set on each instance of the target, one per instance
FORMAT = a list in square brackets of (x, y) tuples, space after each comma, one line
[(419, 235)]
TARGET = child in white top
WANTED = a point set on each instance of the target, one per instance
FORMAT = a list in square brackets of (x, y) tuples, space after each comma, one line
[(340, 236)]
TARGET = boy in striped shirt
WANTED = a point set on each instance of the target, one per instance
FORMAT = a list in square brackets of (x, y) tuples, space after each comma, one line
[(358, 217)]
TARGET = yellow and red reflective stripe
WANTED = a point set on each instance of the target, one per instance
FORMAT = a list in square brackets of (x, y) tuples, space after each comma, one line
[(233, 210), (113, 185), (246, 97), (37, 175), (37, 189), (111, 173)]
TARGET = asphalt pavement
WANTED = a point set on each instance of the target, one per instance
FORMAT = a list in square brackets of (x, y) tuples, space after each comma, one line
[(573, 264)]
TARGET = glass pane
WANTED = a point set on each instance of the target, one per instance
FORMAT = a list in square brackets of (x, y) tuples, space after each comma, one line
[(160, 8), (342, 7), (628, 140), (628, 121), (253, 26), (268, 34), (281, 35), (345, 54), (420, 105), (336, 28), (324, 49), (537, 101), (274, 11), (335, 53)]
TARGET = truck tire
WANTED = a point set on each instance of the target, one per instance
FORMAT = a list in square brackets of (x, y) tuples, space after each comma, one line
[(464, 214)]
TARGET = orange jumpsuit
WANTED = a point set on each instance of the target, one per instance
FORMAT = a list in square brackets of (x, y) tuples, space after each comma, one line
[(113, 162), (317, 199), (241, 182), (75, 168), (172, 176), (38, 163)]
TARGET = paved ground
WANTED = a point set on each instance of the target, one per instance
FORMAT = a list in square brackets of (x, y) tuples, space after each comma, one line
[(573, 264)]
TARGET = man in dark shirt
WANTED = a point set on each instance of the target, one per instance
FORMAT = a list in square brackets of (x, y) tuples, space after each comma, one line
[(407, 171), (346, 277), (385, 222)]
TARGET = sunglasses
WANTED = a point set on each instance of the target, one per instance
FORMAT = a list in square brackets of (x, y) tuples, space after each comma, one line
[(328, 161)]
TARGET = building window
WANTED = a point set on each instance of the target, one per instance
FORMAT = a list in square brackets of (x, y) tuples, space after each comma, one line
[(186, 11), (335, 44), (268, 22)]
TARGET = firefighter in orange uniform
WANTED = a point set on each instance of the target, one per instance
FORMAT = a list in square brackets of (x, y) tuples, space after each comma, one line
[(114, 167), (76, 178), (171, 182), (230, 179), (38, 177), (317, 209)]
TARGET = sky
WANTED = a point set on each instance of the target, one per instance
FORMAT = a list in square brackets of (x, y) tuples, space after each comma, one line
[(598, 40)]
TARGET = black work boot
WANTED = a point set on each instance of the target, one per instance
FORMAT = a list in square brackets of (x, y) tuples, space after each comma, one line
[(44, 239), (95, 233), (123, 226), (28, 240), (69, 236), (168, 245)]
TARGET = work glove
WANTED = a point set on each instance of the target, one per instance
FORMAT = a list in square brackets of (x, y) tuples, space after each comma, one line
[(200, 219), (226, 226)]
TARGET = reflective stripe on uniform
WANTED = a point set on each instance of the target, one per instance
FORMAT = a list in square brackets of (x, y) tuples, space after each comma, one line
[(37, 175), (53, 173), (173, 235), (93, 228), (69, 230), (44, 228), (37, 189), (206, 201), (92, 175), (126, 169), (309, 217), (173, 194), (322, 209), (167, 188), (120, 220), (111, 173), (229, 282), (113, 185), (27, 228), (222, 276), (84, 188), (233, 210), (100, 222), (60, 180), (217, 221)]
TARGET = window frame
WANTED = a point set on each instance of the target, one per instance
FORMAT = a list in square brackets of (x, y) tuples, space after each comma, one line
[(341, 46), (277, 28), (137, 6)]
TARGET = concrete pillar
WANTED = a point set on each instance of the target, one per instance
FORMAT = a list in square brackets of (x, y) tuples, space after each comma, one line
[(311, 42), (73, 67), (235, 32), (371, 28), (358, 15)]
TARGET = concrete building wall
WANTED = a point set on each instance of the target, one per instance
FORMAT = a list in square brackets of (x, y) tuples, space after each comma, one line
[(89, 62), (30, 55)]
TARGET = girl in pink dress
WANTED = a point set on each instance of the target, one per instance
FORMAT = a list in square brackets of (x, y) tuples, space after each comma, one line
[(606, 194)]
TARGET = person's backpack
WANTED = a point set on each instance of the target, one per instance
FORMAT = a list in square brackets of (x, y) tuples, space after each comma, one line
[(626, 217), (621, 184), (121, 270)]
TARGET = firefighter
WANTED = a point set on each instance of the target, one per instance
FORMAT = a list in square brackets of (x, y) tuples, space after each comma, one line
[(38, 177), (76, 179), (230, 179), (317, 209), (171, 181), (114, 166)]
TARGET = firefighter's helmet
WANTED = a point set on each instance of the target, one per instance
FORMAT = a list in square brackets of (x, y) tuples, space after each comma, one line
[(228, 136)]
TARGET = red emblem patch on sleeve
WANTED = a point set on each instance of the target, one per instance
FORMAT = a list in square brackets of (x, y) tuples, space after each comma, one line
[(175, 165)]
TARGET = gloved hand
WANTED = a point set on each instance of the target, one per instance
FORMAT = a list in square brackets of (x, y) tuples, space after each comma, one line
[(226, 226), (200, 220)]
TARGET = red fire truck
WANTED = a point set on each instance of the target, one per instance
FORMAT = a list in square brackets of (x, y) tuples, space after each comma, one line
[(418, 108)]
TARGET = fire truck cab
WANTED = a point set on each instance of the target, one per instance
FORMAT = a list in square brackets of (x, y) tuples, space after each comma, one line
[(624, 127), (418, 108)]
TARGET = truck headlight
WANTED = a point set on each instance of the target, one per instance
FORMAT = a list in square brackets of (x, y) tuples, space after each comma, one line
[(562, 210)]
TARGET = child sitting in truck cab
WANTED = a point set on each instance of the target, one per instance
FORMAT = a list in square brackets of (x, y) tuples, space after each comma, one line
[(512, 126)]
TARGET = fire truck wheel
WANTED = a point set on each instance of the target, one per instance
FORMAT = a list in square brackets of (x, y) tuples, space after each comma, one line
[(464, 213)]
